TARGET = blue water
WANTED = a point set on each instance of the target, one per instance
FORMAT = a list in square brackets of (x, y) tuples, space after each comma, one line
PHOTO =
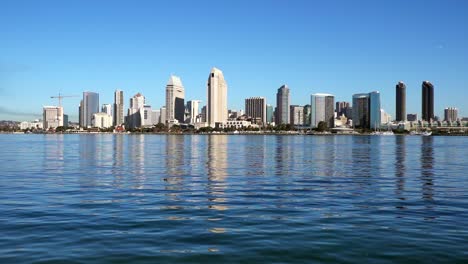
[(231, 199)]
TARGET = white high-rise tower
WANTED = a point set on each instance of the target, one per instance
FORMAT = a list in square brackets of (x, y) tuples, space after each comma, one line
[(175, 105), (216, 107)]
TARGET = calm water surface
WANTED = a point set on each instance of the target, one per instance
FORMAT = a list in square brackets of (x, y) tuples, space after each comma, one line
[(230, 199)]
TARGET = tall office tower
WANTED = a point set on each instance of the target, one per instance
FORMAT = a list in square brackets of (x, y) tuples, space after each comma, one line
[(80, 113), (193, 107), (203, 114), (307, 114), (450, 114), (162, 115), (366, 110), (342, 108), (175, 96), (137, 102), (89, 108), (282, 105), (296, 113), (118, 108), (374, 110), (427, 101), (155, 116), (255, 107), (52, 117), (107, 108), (400, 102), (216, 108), (146, 116), (269, 113), (322, 110)]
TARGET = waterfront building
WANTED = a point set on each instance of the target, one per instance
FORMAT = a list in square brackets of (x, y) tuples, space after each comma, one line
[(137, 102), (52, 117), (36, 124), (385, 118), (400, 104), (162, 114), (155, 117), (412, 117), (237, 124), (193, 107), (89, 107), (118, 108), (322, 110), (427, 101), (342, 108), (366, 110), (255, 107), (282, 105), (65, 120), (102, 120), (297, 115), (175, 100), (106, 108), (307, 114), (216, 108), (269, 114), (450, 114)]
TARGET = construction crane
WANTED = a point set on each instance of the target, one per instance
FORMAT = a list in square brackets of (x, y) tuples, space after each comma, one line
[(60, 97)]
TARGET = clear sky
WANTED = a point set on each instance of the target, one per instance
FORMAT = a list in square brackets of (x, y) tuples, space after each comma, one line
[(338, 47)]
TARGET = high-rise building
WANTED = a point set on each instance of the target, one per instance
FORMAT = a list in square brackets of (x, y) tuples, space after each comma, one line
[(282, 105), (342, 108), (52, 117), (296, 115), (89, 108), (374, 110), (175, 96), (80, 113), (400, 106), (203, 114), (427, 101), (307, 114), (65, 120), (269, 114), (162, 113), (155, 116), (450, 114), (193, 107), (216, 108), (118, 108), (146, 116), (255, 107), (366, 110), (137, 102), (322, 110), (106, 108)]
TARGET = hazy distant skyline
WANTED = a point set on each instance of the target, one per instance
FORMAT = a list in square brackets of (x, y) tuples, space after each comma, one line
[(336, 47)]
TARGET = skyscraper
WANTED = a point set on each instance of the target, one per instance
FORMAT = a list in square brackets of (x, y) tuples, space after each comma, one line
[(255, 107), (118, 108), (216, 108), (193, 107), (400, 102), (322, 110), (52, 117), (175, 104), (427, 101), (269, 113), (89, 108), (282, 105), (107, 108), (296, 113), (134, 118), (367, 110), (450, 114)]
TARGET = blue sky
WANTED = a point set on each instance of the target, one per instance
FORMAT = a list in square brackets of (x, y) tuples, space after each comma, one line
[(338, 47)]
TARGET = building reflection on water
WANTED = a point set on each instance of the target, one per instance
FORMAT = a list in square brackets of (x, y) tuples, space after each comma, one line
[(136, 156), (400, 169), (217, 163), (427, 169), (54, 153)]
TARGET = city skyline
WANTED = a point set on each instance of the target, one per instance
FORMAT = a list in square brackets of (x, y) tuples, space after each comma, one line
[(312, 51)]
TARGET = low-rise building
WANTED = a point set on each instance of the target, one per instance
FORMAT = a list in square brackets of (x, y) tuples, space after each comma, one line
[(101, 120)]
